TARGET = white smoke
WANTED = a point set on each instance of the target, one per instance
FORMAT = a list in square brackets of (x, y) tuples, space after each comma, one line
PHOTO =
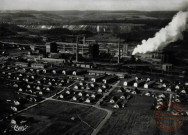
[(171, 33)]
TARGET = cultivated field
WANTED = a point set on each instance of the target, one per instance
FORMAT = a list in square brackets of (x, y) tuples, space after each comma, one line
[(57, 118), (136, 119)]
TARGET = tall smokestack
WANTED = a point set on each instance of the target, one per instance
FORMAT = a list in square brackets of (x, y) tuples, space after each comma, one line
[(171, 33), (84, 42), (77, 49), (73, 48), (125, 49), (118, 50)]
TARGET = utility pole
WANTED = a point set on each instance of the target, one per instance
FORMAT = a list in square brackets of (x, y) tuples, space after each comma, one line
[(170, 102)]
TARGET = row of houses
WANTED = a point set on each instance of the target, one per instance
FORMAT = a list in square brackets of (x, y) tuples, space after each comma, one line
[(79, 96), (117, 99), (139, 83)]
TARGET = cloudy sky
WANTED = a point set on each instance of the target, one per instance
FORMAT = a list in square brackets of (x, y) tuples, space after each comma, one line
[(93, 4)]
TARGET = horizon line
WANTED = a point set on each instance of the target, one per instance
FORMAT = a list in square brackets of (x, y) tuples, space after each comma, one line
[(90, 10)]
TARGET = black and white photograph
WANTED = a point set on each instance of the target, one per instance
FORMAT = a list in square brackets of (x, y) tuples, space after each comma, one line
[(93, 67)]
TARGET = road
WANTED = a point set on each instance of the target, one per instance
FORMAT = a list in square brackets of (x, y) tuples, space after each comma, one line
[(99, 127), (109, 112), (97, 106), (42, 100), (151, 90), (106, 94), (95, 130)]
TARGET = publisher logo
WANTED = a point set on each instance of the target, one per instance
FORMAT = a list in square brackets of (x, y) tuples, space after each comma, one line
[(171, 120)]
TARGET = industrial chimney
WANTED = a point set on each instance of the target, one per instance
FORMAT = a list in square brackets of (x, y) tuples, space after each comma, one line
[(84, 42), (118, 50), (125, 50), (77, 49)]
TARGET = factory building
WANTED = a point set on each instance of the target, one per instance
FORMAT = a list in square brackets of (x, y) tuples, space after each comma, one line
[(167, 67), (51, 47), (157, 58), (94, 51)]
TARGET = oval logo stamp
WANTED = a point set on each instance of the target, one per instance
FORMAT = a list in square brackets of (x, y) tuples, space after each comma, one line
[(167, 118)]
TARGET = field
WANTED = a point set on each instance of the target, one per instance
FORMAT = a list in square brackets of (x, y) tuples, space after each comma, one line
[(136, 119), (55, 117)]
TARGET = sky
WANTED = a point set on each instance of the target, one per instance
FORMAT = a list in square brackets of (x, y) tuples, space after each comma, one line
[(142, 5)]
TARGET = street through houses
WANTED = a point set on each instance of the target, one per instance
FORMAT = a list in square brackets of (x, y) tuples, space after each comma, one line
[(97, 106)]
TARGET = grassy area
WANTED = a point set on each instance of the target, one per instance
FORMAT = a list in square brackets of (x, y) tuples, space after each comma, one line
[(53, 117), (136, 119)]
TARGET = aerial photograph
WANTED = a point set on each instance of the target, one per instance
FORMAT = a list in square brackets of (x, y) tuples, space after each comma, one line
[(93, 67)]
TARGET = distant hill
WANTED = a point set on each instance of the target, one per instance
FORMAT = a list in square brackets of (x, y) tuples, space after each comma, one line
[(78, 17), (10, 29)]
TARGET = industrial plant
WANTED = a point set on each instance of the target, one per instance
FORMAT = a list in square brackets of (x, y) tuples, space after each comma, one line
[(93, 76)]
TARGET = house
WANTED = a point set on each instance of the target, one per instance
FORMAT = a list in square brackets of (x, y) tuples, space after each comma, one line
[(77, 87), (21, 64), (80, 94), (98, 78), (110, 79), (129, 82), (80, 72), (57, 71), (93, 96), (149, 84), (88, 100), (37, 65), (48, 70), (148, 94), (100, 90), (61, 96), (115, 106), (139, 83), (74, 98), (68, 71)]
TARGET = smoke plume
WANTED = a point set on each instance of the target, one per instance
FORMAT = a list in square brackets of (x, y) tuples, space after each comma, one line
[(171, 33)]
